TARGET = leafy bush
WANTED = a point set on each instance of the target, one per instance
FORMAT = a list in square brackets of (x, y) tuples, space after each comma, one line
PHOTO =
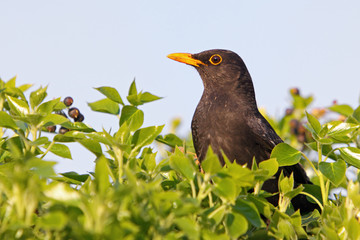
[(132, 195)]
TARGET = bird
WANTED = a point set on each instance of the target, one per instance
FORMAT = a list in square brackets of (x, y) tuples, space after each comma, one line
[(227, 119)]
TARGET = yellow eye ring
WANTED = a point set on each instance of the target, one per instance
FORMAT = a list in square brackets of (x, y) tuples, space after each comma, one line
[(215, 59)]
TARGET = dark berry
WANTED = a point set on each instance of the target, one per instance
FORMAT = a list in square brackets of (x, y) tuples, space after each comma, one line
[(68, 101), (294, 124), (80, 118), (301, 138), (51, 128), (301, 129), (74, 112), (289, 111), (63, 130), (295, 91)]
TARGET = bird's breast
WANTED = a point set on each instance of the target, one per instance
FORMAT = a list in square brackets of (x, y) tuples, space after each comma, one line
[(221, 124)]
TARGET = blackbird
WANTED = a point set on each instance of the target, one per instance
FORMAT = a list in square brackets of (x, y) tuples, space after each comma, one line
[(228, 120)]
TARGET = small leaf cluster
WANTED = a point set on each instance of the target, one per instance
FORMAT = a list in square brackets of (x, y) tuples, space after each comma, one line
[(138, 192)]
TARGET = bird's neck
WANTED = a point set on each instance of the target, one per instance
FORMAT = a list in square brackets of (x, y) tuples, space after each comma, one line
[(240, 92), (245, 89)]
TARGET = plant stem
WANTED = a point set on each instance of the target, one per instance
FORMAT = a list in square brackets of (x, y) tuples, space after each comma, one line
[(327, 156), (48, 149), (193, 190), (311, 163), (34, 131), (324, 193), (119, 159), (211, 203), (313, 198)]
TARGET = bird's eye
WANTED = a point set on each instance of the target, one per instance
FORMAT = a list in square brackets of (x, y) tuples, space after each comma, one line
[(215, 59)]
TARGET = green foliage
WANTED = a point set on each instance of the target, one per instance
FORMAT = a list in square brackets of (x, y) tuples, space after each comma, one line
[(138, 193)]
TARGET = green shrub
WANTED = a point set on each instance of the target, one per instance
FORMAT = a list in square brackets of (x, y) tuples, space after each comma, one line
[(131, 195)]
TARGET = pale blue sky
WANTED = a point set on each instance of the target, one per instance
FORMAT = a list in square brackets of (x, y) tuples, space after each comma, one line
[(74, 46)]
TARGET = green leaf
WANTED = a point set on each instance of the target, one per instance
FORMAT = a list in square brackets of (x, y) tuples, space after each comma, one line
[(291, 194), (148, 97), (134, 99), (325, 141), (111, 93), (59, 106), (285, 154), (75, 176), (63, 138), (15, 92), (17, 106), (32, 118), (338, 128), (102, 174), (225, 188), (286, 184), (7, 121), (149, 162), (56, 220), (270, 165), (314, 123), (353, 228), (92, 145), (106, 106), (334, 171), (48, 107), (40, 141), (242, 176), (249, 210), (79, 126), (37, 96), (353, 193), (60, 150), (342, 109), (356, 114), (236, 225), (216, 214), (145, 136), (132, 115), (102, 137), (53, 119), (351, 155), (15, 146), (180, 163), (132, 89), (41, 167), (25, 87), (188, 226), (301, 102), (314, 190), (170, 139), (284, 227), (211, 163), (62, 192), (141, 98), (123, 134), (11, 82), (76, 135), (262, 205)]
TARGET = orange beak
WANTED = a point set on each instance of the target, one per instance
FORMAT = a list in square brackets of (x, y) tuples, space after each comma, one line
[(185, 58)]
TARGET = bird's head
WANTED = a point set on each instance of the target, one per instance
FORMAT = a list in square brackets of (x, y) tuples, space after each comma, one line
[(217, 68)]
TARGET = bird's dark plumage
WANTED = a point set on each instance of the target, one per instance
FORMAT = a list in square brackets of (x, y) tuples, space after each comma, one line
[(228, 120)]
